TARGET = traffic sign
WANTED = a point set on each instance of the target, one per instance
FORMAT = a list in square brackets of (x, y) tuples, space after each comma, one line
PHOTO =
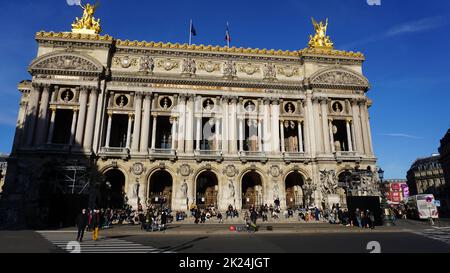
[(429, 199), (437, 203)]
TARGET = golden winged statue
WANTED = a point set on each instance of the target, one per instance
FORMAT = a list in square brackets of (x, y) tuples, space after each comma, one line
[(87, 24), (320, 39)]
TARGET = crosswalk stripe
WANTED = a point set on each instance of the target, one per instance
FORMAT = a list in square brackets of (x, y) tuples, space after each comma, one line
[(440, 235), (103, 245)]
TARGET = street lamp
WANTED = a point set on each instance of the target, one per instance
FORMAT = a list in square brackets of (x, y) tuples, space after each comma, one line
[(387, 221)]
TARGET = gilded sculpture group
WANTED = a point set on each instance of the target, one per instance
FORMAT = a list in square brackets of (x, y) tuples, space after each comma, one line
[(89, 24)]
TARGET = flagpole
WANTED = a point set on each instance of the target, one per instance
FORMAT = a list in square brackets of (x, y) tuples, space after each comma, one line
[(190, 32)]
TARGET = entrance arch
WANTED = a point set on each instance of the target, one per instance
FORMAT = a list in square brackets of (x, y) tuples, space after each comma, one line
[(207, 188), (294, 192), (112, 190), (344, 181), (160, 189), (252, 190)]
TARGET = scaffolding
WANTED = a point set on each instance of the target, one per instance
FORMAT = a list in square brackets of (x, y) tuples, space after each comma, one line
[(72, 179)]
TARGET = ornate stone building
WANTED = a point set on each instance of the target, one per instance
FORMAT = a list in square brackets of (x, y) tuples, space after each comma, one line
[(444, 151), (3, 167), (103, 117), (426, 176)]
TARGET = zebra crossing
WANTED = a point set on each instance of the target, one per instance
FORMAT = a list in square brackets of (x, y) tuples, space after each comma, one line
[(65, 240), (440, 234)]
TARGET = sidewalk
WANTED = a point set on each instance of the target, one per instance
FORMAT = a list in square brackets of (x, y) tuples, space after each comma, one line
[(276, 228), (25, 241)]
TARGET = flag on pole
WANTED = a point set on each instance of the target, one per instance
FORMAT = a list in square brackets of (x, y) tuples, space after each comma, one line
[(227, 35), (192, 32)]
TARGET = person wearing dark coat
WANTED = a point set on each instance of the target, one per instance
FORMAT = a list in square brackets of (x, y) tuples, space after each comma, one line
[(82, 222)]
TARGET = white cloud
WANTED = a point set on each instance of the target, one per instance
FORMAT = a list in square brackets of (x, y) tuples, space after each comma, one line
[(417, 26), (73, 2), (420, 25), (401, 135)]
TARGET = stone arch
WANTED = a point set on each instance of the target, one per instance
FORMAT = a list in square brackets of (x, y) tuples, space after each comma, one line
[(72, 63), (338, 77), (109, 167), (211, 194), (294, 188), (263, 183), (154, 169), (164, 189), (112, 189)]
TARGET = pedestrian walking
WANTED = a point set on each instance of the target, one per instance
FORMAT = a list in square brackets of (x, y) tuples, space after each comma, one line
[(95, 224), (82, 221), (358, 217)]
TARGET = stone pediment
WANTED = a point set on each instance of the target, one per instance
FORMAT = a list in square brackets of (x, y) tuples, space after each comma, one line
[(66, 63), (338, 77)]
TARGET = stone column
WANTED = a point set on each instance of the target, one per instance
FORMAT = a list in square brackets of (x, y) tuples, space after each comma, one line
[(225, 123), (190, 125), (52, 127), (369, 131), (309, 125), (330, 126), (198, 134), (359, 146), (349, 137), (137, 122), (182, 123), (267, 132), (217, 135), (74, 126), (145, 125), (100, 117), (365, 130), (283, 147), (155, 120), (259, 136), (130, 123), (233, 126), (32, 112), (275, 128), (324, 104), (241, 134), (318, 126), (82, 117), (300, 136), (108, 130), (89, 132), (174, 133), (42, 126)]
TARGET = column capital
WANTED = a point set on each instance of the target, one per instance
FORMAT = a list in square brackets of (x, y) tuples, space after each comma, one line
[(130, 115), (323, 100), (182, 97), (138, 94), (37, 86), (349, 120), (330, 120), (275, 101), (362, 102), (266, 101)]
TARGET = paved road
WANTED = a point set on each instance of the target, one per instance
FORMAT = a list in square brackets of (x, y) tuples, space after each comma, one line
[(406, 237)]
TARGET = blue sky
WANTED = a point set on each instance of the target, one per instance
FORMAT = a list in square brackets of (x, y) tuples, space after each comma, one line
[(405, 43)]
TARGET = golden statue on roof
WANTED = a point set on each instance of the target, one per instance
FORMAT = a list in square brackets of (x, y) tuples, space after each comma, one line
[(320, 39), (87, 24)]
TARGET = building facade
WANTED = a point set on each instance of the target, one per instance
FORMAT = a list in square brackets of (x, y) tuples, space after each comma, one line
[(426, 176), (3, 167), (140, 122), (444, 151), (396, 190)]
